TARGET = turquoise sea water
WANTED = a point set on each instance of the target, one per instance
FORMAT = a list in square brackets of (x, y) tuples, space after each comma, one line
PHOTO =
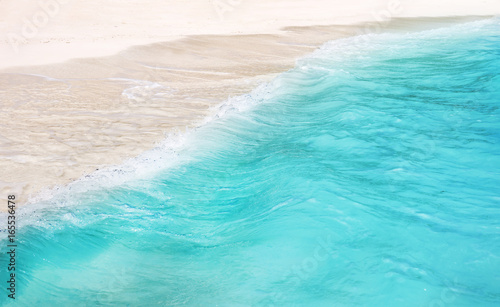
[(369, 175)]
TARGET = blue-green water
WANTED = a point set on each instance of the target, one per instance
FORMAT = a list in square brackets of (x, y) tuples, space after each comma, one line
[(368, 175)]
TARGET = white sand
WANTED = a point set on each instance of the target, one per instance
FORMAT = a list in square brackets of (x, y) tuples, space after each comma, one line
[(88, 113), (90, 28)]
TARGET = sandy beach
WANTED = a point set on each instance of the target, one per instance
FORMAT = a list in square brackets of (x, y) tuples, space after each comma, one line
[(87, 84)]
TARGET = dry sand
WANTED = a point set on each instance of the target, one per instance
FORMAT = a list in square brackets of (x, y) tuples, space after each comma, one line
[(97, 82)]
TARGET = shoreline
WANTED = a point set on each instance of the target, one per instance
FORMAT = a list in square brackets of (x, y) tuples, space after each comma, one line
[(100, 112)]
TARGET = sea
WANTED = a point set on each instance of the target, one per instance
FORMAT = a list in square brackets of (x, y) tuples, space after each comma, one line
[(367, 175)]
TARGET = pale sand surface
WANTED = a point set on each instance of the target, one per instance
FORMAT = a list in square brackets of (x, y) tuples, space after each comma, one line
[(64, 120)]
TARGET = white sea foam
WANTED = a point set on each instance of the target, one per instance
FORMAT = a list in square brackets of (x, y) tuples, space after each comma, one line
[(140, 91), (163, 156), (361, 45)]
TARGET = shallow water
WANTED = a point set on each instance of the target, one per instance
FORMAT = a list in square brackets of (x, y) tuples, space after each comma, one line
[(368, 175)]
